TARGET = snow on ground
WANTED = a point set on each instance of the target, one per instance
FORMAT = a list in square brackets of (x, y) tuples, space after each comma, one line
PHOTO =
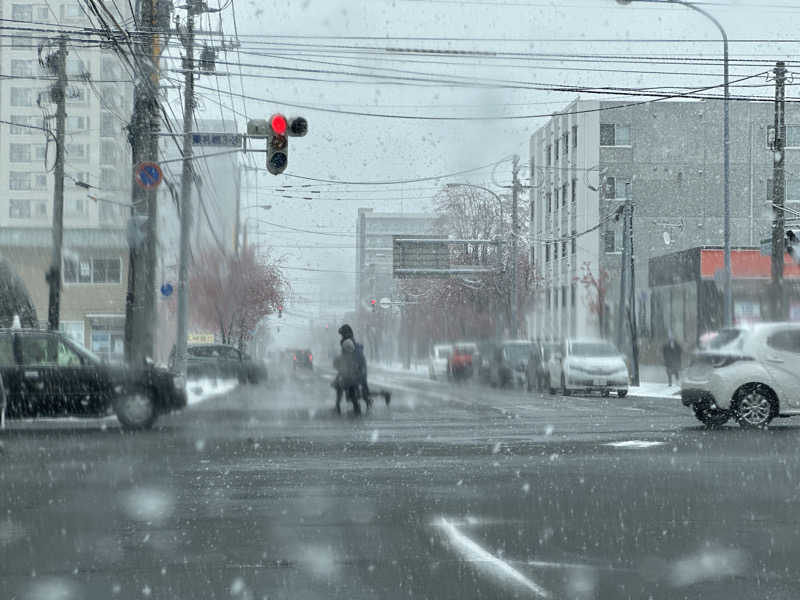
[(199, 390), (419, 369), (648, 389)]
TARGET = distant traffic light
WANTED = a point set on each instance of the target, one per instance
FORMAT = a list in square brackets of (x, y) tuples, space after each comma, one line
[(374, 304), (280, 312)]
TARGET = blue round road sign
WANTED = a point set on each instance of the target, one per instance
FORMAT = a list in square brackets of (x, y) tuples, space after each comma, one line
[(148, 175), (166, 290)]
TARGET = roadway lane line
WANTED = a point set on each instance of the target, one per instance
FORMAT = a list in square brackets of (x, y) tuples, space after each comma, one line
[(485, 560)]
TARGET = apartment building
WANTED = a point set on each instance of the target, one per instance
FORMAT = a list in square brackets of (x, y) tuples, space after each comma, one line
[(669, 157), (97, 154)]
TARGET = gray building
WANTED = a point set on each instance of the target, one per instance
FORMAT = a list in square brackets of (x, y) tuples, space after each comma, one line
[(374, 231), (668, 156)]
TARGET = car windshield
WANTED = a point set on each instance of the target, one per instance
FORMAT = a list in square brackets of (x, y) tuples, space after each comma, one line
[(593, 349)]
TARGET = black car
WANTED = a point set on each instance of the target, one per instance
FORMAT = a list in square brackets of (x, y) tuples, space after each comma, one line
[(45, 374), (221, 361)]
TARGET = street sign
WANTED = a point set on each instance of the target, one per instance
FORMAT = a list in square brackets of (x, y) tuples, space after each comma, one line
[(766, 247), (148, 175), (385, 302), (166, 290), (228, 140)]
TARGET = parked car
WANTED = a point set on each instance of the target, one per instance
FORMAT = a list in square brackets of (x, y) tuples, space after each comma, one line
[(438, 361), (483, 360), (46, 374), (221, 361), (508, 364), (536, 374), (460, 365), (751, 375), (588, 365), (302, 358)]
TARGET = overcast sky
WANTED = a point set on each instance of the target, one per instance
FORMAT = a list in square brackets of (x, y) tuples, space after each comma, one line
[(361, 148)]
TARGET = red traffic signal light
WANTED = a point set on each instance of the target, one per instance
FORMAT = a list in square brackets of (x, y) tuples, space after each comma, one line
[(278, 124), (373, 302)]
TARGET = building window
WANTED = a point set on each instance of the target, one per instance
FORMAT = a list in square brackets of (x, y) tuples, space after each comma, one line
[(107, 212), (548, 155), (22, 12), (555, 250), (110, 69), (77, 124), (76, 94), (42, 14), (78, 152), (563, 248), (564, 296), (572, 295), (40, 209), (40, 151), (75, 206), (574, 241), (565, 143), (19, 152), (22, 68), (547, 252), (21, 97), (547, 299), (73, 330), (549, 199), (574, 136), (40, 181), (19, 181), (610, 238), (76, 67), (574, 190), (791, 191), (19, 209), (615, 135), (555, 148), (71, 11), (793, 136), (108, 153), (612, 188), (92, 269), (564, 195), (108, 127)]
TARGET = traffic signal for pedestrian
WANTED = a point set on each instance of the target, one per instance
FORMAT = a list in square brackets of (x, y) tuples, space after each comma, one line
[(280, 312), (374, 304)]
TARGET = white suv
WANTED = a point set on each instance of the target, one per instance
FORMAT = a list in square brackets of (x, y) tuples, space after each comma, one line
[(587, 365), (752, 375)]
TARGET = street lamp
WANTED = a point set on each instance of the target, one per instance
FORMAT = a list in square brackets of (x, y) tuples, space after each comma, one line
[(726, 152)]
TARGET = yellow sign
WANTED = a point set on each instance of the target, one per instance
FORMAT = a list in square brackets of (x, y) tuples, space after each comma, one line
[(201, 338)]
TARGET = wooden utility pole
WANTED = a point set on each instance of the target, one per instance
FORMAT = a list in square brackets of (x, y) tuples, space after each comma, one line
[(778, 304), (58, 94), (140, 302), (515, 186)]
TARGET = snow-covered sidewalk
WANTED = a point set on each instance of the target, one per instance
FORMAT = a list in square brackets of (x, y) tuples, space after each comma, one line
[(649, 389), (396, 368)]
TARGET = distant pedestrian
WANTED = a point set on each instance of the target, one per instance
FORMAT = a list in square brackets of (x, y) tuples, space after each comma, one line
[(672, 359)]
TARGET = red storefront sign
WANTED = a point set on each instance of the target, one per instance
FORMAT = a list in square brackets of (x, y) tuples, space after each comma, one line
[(745, 264)]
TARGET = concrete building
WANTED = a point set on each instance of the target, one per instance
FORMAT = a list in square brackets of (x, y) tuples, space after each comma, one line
[(374, 231), (95, 249), (668, 155)]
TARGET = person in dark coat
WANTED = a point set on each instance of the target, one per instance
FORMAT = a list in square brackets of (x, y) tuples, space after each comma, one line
[(672, 359), (351, 369)]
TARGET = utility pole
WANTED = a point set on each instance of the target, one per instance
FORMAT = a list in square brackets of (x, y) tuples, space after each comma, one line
[(140, 303), (58, 94), (778, 303), (237, 222), (186, 188), (514, 242), (632, 306), (623, 272)]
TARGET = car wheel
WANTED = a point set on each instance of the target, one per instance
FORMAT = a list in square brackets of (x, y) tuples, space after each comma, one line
[(622, 393), (711, 417), (754, 406), (564, 390), (135, 409)]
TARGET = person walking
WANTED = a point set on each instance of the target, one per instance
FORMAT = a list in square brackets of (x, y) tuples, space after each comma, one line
[(672, 359)]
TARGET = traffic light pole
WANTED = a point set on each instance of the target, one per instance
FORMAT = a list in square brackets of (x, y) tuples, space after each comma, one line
[(58, 93), (186, 192), (143, 130), (632, 306), (779, 312)]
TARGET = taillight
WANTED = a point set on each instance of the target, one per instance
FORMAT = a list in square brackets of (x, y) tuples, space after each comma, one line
[(310, 358)]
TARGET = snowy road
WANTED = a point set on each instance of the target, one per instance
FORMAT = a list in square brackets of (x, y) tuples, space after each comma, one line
[(451, 492)]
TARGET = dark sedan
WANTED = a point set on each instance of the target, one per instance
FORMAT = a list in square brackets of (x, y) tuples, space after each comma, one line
[(45, 374), (223, 361)]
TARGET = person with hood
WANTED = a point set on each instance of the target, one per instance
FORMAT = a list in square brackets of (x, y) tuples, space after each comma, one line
[(672, 359), (350, 366)]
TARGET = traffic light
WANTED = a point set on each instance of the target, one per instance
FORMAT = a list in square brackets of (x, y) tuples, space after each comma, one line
[(277, 145), (374, 304), (280, 312)]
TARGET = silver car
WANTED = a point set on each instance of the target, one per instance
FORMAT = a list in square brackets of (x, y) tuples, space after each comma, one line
[(588, 365), (749, 374)]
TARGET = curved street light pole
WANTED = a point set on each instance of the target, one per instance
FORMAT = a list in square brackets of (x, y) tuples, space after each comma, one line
[(728, 307)]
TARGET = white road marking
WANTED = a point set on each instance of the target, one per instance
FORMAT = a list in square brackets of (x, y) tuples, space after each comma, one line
[(634, 444), (485, 560)]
